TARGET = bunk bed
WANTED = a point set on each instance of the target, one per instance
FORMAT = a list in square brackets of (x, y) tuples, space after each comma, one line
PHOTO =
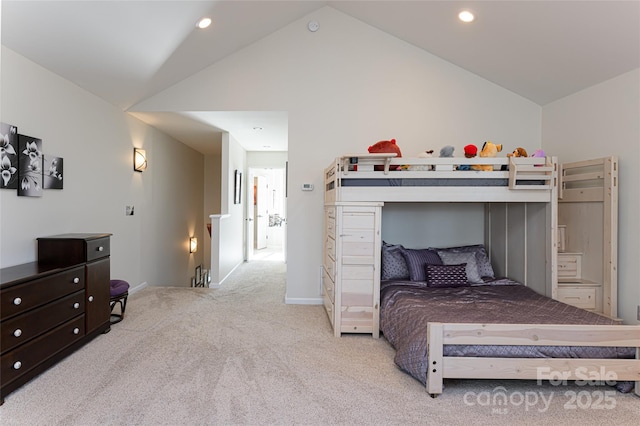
[(526, 189)]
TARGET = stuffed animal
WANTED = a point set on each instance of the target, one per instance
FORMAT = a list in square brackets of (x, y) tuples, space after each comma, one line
[(423, 154), (489, 150), (539, 153), (447, 151), (389, 146), (470, 151), (518, 152)]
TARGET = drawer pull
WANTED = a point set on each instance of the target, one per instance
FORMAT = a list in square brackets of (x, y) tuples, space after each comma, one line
[(76, 330), (76, 280), (100, 248), (76, 305), (17, 365), (17, 301), (17, 332), (90, 298)]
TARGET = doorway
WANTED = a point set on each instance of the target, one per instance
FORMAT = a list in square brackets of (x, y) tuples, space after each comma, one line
[(266, 215)]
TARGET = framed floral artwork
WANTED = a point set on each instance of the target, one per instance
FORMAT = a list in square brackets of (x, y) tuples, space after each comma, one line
[(52, 172), (29, 166), (8, 156)]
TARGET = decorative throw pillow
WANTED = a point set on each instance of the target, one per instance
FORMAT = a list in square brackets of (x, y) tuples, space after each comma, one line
[(416, 259), (446, 275), (482, 258), (394, 267), (453, 258)]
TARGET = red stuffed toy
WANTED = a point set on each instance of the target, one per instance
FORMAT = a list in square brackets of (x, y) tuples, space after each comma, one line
[(387, 147)]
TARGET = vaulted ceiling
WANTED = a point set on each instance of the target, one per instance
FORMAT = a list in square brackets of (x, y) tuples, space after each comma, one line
[(127, 51)]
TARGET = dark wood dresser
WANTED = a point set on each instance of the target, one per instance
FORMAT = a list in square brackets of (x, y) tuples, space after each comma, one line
[(50, 308)]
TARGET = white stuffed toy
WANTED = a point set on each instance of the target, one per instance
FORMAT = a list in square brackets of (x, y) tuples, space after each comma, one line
[(423, 154)]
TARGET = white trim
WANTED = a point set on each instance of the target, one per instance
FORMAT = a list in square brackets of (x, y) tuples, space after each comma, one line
[(303, 300), (219, 284), (138, 287)]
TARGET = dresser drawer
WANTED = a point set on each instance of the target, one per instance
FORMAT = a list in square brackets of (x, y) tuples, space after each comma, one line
[(23, 328), (19, 361), (328, 286), (569, 265), (329, 307), (330, 266), (331, 227), (22, 297), (98, 248), (581, 297), (330, 247)]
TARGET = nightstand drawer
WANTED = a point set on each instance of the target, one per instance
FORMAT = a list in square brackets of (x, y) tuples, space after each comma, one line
[(584, 298), (570, 265)]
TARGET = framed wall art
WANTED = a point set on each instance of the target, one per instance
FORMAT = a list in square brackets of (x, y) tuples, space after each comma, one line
[(237, 187)]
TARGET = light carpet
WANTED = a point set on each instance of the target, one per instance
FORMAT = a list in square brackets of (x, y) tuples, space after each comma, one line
[(240, 355)]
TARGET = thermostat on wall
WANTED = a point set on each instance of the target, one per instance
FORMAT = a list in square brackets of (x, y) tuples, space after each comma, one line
[(307, 187)]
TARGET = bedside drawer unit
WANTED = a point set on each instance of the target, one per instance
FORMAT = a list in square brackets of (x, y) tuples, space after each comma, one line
[(581, 297), (570, 266), (352, 281), (22, 297)]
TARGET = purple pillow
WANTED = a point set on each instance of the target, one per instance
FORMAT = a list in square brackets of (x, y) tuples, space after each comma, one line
[(416, 260), (446, 275)]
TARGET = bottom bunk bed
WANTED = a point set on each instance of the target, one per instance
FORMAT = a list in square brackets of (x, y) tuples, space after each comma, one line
[(443, 326)]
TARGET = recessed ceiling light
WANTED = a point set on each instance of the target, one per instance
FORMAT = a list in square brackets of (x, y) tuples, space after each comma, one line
[(466, 16), (203, 23)]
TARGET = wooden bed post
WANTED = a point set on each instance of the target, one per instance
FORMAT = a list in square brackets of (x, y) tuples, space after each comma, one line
[(434, 351)]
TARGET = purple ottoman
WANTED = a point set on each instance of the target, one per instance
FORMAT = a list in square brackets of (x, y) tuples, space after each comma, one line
[(119, 291)]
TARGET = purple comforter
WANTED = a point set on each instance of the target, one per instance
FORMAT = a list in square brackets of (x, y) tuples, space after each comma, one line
[(407, 307)]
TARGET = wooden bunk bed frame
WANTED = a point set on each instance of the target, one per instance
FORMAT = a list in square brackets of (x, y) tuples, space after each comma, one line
[(530, 180)]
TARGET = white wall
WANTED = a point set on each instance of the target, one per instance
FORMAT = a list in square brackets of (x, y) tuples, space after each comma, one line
[(345, 87), (96, 141), (212, 199), (230, 249), (600, 121)]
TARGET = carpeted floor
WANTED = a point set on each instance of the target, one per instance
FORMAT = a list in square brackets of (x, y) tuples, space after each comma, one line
[(239, 355)]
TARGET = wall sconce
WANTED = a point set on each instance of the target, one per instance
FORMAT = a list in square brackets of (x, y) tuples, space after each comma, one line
[(139, 160), (193, 245)]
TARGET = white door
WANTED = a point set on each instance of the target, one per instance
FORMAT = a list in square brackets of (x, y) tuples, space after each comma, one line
[(261, 220)]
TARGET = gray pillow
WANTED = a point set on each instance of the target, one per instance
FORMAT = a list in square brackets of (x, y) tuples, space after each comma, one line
[(417, 259), (394, 267), (453, 258), (482, 258)]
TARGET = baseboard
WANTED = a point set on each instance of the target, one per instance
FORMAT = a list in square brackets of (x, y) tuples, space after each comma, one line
[(302, 300), (138, 287), (218, 284)]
